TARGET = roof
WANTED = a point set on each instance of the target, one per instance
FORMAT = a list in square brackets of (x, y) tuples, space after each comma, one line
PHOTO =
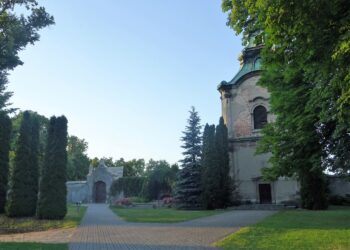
[(251, 63)]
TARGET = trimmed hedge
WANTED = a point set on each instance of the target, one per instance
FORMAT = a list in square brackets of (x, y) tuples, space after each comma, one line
[(131, 186)]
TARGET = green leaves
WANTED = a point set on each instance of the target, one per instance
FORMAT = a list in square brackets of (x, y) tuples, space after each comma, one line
[(17, 31), (306, 68)]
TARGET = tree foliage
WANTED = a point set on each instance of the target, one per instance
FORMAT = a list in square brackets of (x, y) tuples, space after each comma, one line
[(160, 179), (129, 186), (5, 132), (188, 185), (210, 170), (306, 69), (78, 161), (22, 196), (17, 31), (52, 192), (216, 181), (225, 182), (134, 167), (43, 125)]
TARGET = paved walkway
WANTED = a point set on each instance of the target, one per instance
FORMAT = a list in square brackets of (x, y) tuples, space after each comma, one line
[(102, 229)]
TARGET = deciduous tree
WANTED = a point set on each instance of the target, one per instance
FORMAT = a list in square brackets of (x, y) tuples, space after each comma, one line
[(18, 29), (305, 63), (78, 161)]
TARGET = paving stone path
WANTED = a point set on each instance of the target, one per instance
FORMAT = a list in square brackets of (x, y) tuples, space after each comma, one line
[(102, 229)]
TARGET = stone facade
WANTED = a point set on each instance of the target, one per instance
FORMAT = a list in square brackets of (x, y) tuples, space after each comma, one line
[(96, 188), (239, 98)]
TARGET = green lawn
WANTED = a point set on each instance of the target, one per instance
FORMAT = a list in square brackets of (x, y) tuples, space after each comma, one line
[(20, 225), (161, 215), (295, 230), (32, 246)]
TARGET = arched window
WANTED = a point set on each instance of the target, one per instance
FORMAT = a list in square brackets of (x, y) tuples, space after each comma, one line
[(260, 117)]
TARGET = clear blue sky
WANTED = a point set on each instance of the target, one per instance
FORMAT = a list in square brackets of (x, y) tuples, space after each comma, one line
[(125, 73)]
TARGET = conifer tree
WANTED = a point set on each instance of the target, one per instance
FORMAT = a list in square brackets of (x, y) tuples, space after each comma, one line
[(188, 185), (24, 178), (216, 182), (52, 189), (5, 136), (210, 170), (225, 183)]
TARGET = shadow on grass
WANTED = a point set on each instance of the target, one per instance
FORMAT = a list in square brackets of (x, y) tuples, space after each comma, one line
[(31, 224), (32, 246)]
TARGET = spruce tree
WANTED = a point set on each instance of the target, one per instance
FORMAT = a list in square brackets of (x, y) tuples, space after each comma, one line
[(23, 192), (210, 170), (52, 189), (188, 185), (5, 136)]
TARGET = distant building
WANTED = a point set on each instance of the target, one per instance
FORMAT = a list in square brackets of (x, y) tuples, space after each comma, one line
[(96, 188)]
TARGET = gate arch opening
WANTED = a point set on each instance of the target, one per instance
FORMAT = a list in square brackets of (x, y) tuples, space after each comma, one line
[(100, 192)]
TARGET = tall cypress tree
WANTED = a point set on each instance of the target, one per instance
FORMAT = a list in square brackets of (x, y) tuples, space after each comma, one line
[(223, 164), (5, 136), (33, 177), (24, 177), (210, 170), (52, 190), (188, 185)]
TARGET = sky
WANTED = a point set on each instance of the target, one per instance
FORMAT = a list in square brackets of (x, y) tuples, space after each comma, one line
[(125, 73)]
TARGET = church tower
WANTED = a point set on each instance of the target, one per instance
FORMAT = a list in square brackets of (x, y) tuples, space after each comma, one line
[(245, 109)]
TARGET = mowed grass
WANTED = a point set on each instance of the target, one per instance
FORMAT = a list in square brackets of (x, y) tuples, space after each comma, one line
[(295, 230), (32, 246), (21, 225), (161, 215)]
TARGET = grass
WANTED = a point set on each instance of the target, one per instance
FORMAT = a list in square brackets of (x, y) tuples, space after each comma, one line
[(295, 230), (21, 225), (161, 215), (32, 246)]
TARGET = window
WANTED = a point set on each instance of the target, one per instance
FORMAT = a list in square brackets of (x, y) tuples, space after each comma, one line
[(260, 117)]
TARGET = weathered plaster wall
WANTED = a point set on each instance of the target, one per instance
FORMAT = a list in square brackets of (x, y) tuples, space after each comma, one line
[(83, 191), (238, 103)]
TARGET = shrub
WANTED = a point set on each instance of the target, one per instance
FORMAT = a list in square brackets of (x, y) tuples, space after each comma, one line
[(339, 200), (123, 202)]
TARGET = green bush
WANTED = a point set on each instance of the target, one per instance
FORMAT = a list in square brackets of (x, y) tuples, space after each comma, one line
[(130, 186)]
